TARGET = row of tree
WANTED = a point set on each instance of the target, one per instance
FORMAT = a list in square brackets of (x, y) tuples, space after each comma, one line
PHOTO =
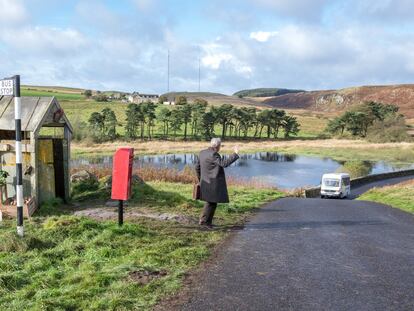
[(358, 120), (194, 120)]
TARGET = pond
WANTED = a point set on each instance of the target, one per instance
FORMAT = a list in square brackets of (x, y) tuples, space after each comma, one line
[(281, 170)]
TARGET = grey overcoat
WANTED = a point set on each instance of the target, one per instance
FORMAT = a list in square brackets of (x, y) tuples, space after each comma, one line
[(210, 172)]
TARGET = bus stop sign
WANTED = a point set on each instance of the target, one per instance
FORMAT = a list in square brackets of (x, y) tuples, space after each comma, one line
[(7, 87)]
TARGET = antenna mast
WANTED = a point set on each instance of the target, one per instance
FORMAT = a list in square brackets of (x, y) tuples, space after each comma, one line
[(168, 72), (199, 74)]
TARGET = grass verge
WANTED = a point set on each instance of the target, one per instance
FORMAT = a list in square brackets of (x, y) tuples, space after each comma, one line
[(66, 262), (400, 195)]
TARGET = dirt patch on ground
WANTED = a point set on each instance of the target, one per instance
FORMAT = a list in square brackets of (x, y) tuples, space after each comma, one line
[(144, 277), (102, 213)]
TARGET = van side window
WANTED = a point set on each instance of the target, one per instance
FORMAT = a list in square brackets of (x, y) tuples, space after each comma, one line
[(347, 181)]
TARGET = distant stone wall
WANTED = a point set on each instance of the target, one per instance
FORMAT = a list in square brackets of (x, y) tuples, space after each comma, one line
[(316, 191), (313, 192)]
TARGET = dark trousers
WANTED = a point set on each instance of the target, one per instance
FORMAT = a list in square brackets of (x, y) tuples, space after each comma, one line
[(208, 213)]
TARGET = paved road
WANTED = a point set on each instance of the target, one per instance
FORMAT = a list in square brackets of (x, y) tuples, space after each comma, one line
[(313, 254)]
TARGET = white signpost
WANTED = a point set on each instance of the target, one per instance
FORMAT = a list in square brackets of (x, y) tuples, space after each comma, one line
[(7, 87), (11, 87)]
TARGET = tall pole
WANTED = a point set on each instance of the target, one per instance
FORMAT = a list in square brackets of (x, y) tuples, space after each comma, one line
[(168, 73), (199, 74), (19, 173)]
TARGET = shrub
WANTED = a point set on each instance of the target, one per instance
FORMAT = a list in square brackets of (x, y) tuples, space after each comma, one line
[(50, 207), (392, 129), (101, 98), (80, 130), (87, 93), (405, 155), (356, 168), (369, 117)]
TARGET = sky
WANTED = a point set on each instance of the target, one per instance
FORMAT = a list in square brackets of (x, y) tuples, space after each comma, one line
[(237, 44)]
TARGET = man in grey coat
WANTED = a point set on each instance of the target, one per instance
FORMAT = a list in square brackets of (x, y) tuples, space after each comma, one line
[(210, 173)]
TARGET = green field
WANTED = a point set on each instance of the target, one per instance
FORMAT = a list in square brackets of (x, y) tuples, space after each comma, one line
[(73, 263), (312, 125), (79, 109), (399, 196), (59, 94)]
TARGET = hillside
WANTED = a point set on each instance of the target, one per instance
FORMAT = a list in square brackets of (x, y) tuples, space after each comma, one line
[(264, 92), (338, 100), (215, 98), (60, 89), (61, 93)]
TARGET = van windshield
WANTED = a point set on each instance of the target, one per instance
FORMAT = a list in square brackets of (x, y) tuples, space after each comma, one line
[(331, 182)]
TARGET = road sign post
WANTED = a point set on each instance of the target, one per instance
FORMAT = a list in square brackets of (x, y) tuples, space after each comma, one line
[(11, 87)]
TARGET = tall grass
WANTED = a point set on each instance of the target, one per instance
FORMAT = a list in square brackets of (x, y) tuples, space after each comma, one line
[(186, 176)]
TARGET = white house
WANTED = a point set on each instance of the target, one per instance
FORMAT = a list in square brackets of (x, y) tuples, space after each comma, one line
[(169, 103), (138, 98)]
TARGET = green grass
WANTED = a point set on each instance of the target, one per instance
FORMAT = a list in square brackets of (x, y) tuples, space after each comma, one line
[(399, 196), (82, 109), (311, 126), (73, 263), (49, 93), (393, 155)]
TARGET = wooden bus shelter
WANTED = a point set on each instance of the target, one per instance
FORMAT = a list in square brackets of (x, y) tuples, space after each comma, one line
[(46, 136)]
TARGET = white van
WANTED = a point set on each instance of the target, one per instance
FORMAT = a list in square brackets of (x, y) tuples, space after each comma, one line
[(336, 185)]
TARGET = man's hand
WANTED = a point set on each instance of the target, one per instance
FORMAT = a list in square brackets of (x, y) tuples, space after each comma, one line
[(236, 150)]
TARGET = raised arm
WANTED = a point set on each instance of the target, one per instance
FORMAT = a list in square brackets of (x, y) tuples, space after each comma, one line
[(225, 162)]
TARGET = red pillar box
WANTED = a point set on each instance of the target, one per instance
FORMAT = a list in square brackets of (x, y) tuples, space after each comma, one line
[(122, 174)]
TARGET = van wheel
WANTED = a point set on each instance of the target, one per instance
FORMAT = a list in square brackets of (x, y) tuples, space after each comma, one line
[(322, 197)]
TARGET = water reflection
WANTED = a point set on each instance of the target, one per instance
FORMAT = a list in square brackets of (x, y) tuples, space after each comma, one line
[(282, 170), (269, 157), (356, 168)]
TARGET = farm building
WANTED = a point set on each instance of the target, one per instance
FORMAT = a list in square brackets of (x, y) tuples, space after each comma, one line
[(138, 98), (46, 136)]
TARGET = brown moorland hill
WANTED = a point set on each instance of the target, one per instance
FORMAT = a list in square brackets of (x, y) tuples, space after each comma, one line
[(338, 100)]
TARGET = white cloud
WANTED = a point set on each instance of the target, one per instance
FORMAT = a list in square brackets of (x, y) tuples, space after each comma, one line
[(214, 61), (301, 10), (262, 36), (145, 5), (43, 40), (12, 12), (397, 10), (111, 50), (219, 57)]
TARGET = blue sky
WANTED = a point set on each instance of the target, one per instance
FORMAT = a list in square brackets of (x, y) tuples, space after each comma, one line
[(122, 45)]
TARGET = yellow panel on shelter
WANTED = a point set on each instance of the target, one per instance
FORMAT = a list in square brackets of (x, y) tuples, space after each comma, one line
[(46, 170)]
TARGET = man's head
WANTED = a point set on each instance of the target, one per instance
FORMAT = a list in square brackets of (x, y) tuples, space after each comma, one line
[(215, 144)]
